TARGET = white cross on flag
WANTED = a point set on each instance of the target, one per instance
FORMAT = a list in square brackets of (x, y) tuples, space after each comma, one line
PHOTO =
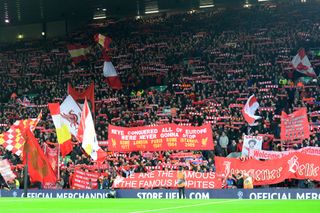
[(302, 64)]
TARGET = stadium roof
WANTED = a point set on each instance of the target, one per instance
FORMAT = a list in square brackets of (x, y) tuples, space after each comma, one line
[(15, 12)]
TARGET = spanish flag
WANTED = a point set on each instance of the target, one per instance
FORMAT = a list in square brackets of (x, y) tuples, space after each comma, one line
[(63, 133), (104, 41), (78, 52)]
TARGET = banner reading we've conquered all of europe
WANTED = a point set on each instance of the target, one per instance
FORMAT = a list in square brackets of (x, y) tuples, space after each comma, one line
[(159, 138)]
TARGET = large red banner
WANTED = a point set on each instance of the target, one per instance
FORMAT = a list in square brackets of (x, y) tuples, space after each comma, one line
[(160, 138), (168, 179), (296, 165), (85, 180), (295, 126)]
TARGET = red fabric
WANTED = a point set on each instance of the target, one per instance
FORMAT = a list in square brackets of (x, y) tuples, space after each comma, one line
[(66, 148), (160, 138), (52, 155), (168, 179), (239, 147), (39, 167), (88, 93), (114, 82), (296, 165), (81, 180), (295, 126)]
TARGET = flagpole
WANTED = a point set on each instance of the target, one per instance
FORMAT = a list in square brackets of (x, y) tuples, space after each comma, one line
[(25, 178), (58, 162)]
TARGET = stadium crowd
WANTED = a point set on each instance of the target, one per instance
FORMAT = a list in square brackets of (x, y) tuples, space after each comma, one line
[(187, 69)]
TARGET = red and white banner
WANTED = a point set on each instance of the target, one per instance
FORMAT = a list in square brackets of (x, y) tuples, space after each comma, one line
[(297, 166), (168, 179), (85, 180), (301, 63), (5, 170), (295, 126), (160, 138), (251, 142), (269, 155)]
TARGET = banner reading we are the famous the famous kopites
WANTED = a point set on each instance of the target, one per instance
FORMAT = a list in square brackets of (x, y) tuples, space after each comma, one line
[(160, 138), (295, 126), (296, 165), (168, 179)]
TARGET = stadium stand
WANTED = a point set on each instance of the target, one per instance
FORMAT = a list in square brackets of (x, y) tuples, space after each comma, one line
[(187, 69)]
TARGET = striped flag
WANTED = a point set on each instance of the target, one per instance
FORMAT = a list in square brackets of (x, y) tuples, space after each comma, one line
[(63, 134), (301, 63), (104, 41), (112, 78), (78, 52), (13, 139), (5, 170), (87, 135)]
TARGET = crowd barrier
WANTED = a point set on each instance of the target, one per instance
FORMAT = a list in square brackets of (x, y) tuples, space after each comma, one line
[(267, 193)]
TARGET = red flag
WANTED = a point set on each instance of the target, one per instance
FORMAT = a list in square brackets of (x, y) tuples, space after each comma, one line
[(52, 155), (88, 93), (39, 167)]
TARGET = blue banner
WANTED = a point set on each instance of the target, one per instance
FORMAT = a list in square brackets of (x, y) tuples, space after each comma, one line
[(267, 193)]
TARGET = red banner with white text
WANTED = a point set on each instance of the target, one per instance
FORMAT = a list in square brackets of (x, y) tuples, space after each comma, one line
[(267, 155), (295, 126), (160, 138), (296, 165), (168, 179), (85, 180)]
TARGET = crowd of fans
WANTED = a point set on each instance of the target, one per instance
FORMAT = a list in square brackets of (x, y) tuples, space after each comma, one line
[(187, 69)]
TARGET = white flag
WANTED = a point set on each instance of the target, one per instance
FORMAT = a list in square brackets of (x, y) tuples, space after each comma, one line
[(70, 113), (87, 135)]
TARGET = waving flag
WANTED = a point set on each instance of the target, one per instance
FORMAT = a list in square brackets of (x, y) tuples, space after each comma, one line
[(63, 134), (81, 95), (249, 110), (70, 113), (87, 135), (302, 64), (13, 139), (111, 74), (78, 52), (39, 167), (104, 41)]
